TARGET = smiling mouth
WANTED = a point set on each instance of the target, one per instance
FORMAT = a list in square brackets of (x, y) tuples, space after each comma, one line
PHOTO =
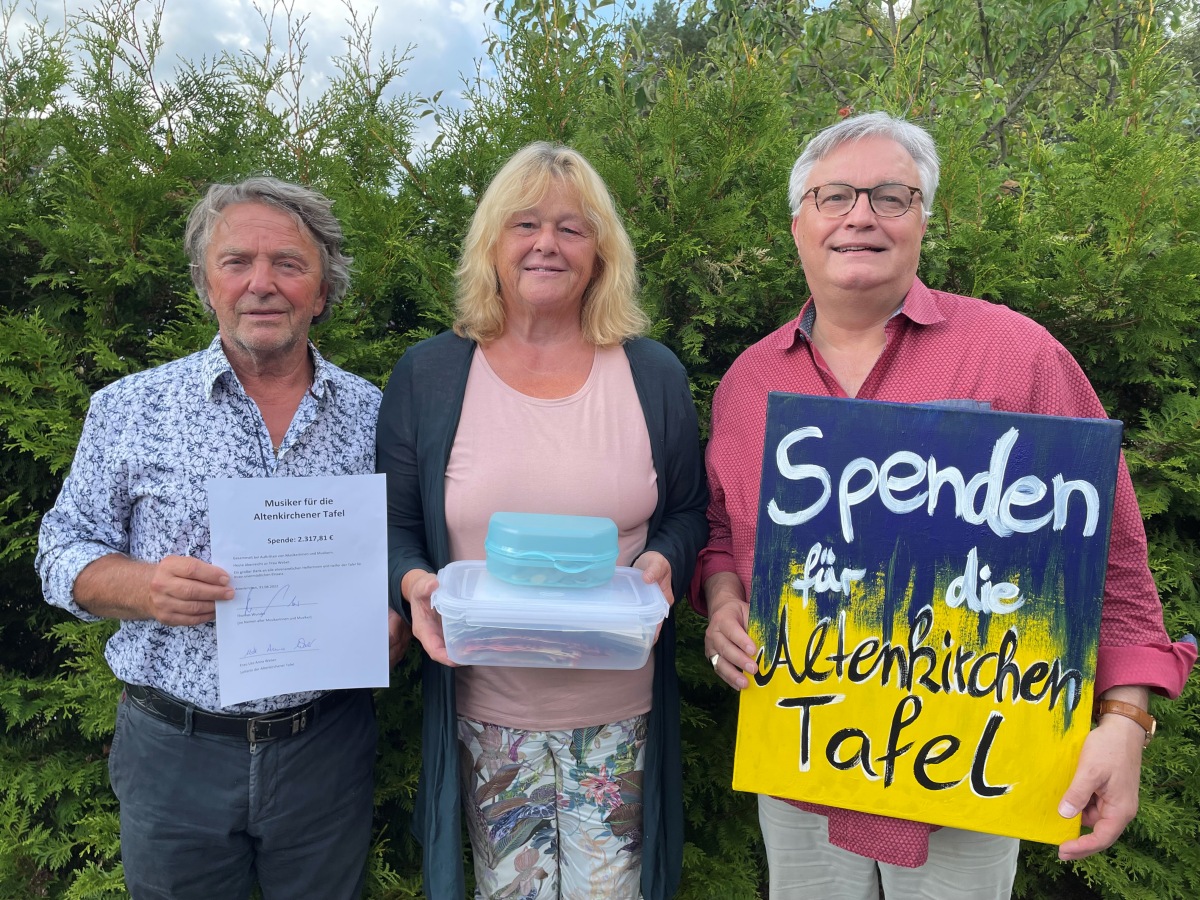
[(857, 249)]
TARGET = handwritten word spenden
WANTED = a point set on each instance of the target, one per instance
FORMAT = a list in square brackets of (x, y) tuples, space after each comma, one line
[(984, 498)]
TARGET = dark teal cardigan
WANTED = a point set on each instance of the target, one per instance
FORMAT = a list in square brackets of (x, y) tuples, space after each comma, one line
[(417, 422)]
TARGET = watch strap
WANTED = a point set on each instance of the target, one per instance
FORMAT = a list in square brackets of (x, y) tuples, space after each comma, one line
[(1129, 711)]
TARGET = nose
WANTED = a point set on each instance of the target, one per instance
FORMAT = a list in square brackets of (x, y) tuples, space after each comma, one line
[(861, 213), (262, 281), (547, 239)]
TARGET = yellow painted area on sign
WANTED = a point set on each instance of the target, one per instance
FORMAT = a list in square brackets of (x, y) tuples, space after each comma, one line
[(938, 714)]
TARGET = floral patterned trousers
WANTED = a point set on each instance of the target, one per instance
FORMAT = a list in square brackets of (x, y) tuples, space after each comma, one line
[(554, 814)]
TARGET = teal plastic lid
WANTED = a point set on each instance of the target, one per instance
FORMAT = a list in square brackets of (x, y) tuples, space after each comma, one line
[(552, 537)]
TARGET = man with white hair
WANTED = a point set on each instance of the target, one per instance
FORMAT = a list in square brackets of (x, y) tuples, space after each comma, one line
[(861, 194), (278, 790)]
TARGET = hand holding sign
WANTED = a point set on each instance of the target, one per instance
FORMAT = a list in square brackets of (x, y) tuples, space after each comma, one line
[(1105, 786), (726, 636)]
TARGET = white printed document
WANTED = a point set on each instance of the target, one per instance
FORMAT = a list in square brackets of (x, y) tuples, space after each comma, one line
[(308, 563)]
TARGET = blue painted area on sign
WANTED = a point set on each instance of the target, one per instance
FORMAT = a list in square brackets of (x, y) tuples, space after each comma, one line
[(1005, 514)]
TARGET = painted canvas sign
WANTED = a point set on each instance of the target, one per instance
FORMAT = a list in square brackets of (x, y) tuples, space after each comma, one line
[(926, 597)]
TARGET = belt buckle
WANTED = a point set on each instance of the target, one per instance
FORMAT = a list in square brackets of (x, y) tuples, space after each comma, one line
[(299, 722)]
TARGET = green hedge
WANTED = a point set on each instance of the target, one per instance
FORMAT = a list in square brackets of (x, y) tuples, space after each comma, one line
[(1078, 205)]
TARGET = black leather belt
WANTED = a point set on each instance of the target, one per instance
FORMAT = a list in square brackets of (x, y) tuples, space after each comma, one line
[(253, 728)]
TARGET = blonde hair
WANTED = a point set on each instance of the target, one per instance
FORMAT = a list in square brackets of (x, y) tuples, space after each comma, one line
[(610, 313)]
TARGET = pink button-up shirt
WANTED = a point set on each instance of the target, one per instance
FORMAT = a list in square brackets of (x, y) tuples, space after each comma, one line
[(940, 346)]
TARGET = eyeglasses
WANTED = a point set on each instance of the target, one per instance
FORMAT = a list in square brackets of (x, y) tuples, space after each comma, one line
[(887, 200)]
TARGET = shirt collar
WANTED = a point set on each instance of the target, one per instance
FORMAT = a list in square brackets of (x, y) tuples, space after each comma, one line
[(215, 364), (919, 306)]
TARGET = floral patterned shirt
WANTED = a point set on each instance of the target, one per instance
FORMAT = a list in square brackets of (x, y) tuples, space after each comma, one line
[(137, 487)]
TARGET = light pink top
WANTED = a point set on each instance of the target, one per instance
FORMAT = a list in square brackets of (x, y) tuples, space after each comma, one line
[(588, 455)]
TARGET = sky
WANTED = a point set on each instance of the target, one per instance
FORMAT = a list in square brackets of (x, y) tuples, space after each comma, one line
[(446, 37)]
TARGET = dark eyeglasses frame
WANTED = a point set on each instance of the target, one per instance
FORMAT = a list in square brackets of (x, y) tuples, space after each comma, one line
[(870, 192)]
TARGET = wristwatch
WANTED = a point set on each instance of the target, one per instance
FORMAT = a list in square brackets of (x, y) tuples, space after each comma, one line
[(1129, 711)]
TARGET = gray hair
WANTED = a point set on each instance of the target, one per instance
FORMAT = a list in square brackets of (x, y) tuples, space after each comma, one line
[(913, 138), (310, 209)]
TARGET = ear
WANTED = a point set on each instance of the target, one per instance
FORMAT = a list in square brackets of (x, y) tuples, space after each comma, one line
[(319, 306), (796, 232)]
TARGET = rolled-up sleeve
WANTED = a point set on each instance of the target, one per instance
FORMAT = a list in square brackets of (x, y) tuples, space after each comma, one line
[(90, 518), (1134, 646)]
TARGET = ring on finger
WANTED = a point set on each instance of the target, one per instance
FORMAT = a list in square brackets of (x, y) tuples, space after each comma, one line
[(714, 659)]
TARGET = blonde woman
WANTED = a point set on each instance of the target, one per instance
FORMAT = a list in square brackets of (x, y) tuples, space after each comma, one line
[(545, 398)]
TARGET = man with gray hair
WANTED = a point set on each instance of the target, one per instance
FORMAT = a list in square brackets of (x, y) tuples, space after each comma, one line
[(861, 194), (279, 790)]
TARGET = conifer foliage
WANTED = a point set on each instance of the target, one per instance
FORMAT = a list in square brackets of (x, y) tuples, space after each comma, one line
[(1069, 192)]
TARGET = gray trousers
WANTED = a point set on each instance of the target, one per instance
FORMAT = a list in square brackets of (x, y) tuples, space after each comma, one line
[(203, 817), (963, 865)]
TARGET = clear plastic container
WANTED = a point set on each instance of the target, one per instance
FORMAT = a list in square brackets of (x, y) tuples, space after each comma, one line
[(543, 550), (489, 622)]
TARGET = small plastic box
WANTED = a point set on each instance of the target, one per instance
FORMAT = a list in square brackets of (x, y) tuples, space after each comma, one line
[(489, 622), (542, 550)]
